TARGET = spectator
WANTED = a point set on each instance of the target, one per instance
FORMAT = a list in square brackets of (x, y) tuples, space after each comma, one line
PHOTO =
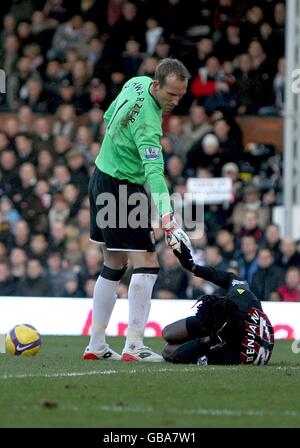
[(39, 247), (213, 257), (230, 44), (11, 215), (77, 169), (228, 142), (4, 141), (34, 284), (250, 226), (58, 237), (17, 261), (247, 259), (207, 153), (129, 25), (7, 286), (93, 262), (131, 59), (152, 35), (68, 35), (72, 288), (9, 172), (53, 76), (96, 96), (62, 146), (59, 211), (204, 84), (65, 121), (22, 235), (89, 288), (25, 149), (204, 49), (290, 255), (225, 242), (45, 162), (9, 27), (196, 288), (162, 49), (175, 169), (231, 170), (265, 72), (247, 85), (33, 95), (94, 121), (193, 130), (273, 240), (56, 273), (251, 203), (42, 137), (11, 127), (61, 177), (172, 280), (71, 195), (268, 278), (17, 81), (9, 56), (290, 291), (25, 119)]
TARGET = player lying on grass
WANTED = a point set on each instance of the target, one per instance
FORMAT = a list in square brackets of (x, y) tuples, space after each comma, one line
[(230, 329)]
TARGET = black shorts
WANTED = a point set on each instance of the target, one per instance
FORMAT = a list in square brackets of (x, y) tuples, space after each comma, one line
[(194, 327), (191, 351), (115, 222)]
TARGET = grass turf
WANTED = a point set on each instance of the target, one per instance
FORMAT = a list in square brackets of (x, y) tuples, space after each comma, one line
[(57, 389)]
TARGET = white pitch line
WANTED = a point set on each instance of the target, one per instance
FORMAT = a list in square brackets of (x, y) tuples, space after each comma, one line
[(193, 411), (202, 411), (193, 369), (91, 373)]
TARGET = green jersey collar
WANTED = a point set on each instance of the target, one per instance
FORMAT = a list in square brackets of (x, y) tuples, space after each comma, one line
[(153, 96)]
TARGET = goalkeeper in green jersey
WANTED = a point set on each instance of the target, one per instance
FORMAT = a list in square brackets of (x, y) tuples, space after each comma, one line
[(130, 156)]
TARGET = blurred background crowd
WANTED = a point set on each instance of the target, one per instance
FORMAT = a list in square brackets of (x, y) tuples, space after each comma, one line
[(64, 63)]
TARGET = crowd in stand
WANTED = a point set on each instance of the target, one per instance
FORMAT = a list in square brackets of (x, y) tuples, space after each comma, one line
[(65, 62)]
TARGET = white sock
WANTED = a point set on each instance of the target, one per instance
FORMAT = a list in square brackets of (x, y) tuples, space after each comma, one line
[(139, 297), (104, 299)]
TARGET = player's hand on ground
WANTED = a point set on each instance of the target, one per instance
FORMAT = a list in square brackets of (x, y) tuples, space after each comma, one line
[(174, 233), (185, 257)]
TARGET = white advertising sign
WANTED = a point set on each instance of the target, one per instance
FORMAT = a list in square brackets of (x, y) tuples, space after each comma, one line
[(214, 190), (65, 316)]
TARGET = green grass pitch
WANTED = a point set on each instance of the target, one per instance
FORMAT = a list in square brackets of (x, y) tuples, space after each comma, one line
[(57, 389)]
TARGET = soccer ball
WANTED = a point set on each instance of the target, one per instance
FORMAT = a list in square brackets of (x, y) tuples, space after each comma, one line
[(24, 340)]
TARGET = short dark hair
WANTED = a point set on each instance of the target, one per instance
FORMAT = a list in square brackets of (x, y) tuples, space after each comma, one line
[(170, 66)]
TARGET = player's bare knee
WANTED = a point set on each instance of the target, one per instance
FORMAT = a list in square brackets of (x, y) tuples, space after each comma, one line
[(166, 333), (115, 260), (167, 353), (144, 259)]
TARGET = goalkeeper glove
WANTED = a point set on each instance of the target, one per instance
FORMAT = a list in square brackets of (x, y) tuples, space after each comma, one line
[(174, 233), (185, 257)]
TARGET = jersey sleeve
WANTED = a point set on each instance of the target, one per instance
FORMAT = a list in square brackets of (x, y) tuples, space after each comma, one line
[(224, 279), (146, 131)]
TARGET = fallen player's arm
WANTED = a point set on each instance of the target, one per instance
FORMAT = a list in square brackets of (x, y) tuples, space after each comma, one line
[(219, 277)]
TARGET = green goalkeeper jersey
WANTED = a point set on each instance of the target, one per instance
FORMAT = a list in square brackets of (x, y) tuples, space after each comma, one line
[(131, 146)]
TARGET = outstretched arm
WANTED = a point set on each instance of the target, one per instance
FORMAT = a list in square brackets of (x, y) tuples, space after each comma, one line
[(217, 276)]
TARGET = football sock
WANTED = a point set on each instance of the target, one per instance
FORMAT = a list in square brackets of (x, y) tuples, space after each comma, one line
[(104, 299), (139, 297)]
